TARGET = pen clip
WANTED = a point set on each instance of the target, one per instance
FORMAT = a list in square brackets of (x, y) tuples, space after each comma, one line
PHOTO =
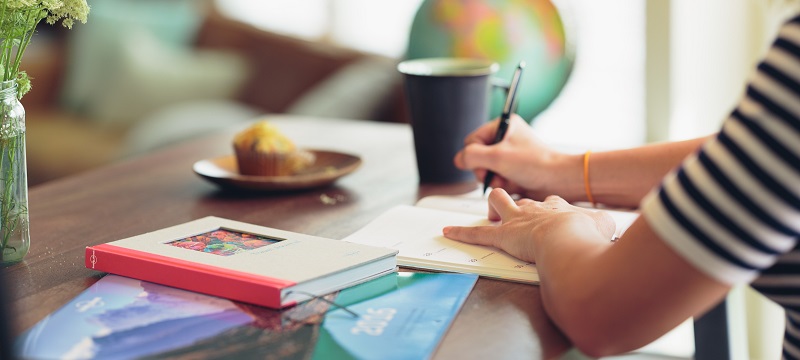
[(512, 89)]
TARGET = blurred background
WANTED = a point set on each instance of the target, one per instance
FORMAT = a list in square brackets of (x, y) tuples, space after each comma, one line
[(143, 74)]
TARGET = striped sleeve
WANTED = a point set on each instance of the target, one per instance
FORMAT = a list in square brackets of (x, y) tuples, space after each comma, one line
[(733, 207)]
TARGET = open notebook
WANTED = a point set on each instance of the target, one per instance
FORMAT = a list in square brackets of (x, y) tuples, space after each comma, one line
[(416, 231)]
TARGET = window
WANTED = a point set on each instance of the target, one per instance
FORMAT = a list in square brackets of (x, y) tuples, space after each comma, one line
[(374, 26), (602, 105)]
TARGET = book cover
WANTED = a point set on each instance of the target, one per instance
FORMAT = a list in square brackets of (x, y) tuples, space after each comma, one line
[(400, 316), (423, 245), (242, 262)]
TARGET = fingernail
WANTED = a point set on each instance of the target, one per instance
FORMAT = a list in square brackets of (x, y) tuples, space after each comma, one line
[(446, 229)]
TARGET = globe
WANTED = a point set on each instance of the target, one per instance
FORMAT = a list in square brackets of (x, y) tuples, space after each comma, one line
[(507, 32)]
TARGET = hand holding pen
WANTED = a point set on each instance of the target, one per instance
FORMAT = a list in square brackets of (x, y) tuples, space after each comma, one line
[(502, 125)]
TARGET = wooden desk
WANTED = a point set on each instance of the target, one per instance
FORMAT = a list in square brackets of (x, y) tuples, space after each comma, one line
[(500, 320)]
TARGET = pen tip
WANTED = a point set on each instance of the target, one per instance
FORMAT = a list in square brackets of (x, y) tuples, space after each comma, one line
[(522, 64)]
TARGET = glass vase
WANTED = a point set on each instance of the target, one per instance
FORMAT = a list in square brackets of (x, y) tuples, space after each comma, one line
[(14, 235)]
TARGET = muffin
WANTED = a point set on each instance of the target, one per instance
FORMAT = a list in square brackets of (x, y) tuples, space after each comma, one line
[(262, 150)]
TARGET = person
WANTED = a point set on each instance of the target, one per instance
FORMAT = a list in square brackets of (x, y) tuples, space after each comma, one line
[(716, 212)]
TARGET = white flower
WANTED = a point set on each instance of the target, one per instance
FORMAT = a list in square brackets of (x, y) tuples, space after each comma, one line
[(18, 21), (69, 10)]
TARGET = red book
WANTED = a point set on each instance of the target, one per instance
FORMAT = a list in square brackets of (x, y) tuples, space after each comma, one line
[(242, 262)]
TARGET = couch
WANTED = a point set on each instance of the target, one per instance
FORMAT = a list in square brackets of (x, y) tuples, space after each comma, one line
[(141, 75)]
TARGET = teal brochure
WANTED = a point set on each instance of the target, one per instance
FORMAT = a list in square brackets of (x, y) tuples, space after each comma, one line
[(402, 315), (406, 322)]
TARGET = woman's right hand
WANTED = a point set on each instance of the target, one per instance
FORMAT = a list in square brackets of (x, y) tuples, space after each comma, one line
[(522, 163)]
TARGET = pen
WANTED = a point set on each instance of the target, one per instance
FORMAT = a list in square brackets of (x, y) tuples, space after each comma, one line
[(502, 125)]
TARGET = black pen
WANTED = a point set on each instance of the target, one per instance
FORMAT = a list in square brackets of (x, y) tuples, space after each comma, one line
[(502, 125)]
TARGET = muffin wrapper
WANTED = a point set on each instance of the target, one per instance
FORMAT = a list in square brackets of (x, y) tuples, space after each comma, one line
[(273, 164)]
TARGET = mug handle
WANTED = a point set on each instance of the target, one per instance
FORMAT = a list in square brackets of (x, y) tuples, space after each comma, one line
[(499, 84)]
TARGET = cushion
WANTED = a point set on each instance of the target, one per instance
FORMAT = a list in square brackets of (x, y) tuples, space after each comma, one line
[(135, 56), (356, 91)]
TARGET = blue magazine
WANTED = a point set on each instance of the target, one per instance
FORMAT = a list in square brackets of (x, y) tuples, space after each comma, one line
[(400, 316)]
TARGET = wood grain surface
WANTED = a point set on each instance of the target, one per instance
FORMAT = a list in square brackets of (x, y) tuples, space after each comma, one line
[(500, 320)]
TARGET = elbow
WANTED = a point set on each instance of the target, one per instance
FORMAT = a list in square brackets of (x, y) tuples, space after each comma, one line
[(597, 335), (590, 340), (596, 347), (593, 332), (597, 341)]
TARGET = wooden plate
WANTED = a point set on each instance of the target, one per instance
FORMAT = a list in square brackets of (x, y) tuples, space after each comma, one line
[(327, 168)]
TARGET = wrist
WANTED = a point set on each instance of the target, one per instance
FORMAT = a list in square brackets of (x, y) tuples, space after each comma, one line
[(565, 177)]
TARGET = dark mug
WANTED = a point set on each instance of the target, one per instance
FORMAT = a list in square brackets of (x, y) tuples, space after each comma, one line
[(448, 98)]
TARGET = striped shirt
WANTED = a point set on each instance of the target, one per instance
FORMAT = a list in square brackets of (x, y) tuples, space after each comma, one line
[(733, 208)]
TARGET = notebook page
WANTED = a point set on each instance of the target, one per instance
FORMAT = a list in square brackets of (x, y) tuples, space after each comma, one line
[(417, 233), (475, 203)]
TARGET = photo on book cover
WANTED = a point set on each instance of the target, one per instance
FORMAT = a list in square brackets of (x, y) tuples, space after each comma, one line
[(402, 315), (223, 242)]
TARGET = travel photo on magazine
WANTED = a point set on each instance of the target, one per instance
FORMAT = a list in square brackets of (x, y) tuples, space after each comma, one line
[(401, 315)]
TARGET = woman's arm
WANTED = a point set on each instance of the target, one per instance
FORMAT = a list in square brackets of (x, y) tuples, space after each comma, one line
[(624, 177), (526, 166), (623, 296), (606, 298)]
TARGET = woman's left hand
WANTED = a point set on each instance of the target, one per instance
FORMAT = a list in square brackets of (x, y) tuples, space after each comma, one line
[(525, 221)]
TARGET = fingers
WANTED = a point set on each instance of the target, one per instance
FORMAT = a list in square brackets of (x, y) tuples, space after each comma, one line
[(476, 152), (483, 134), (494, 216), (552, 198), (458, 160), (525, 201), (475, 145), (476, 156), (554, 201), (501, 203), (479, 235)]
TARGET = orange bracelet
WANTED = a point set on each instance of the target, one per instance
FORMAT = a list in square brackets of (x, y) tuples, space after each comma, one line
[(586, 178)]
